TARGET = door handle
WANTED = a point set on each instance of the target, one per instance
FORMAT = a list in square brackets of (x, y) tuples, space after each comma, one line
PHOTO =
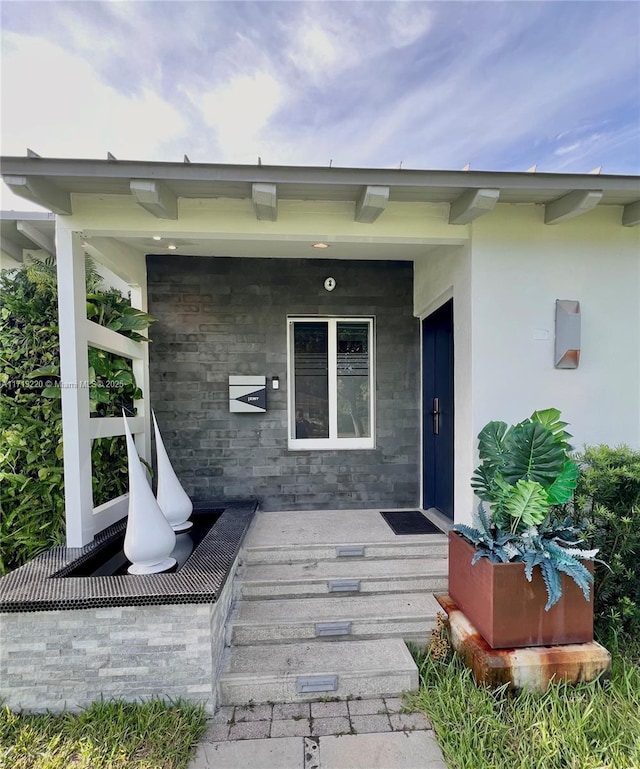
[(436, 416)]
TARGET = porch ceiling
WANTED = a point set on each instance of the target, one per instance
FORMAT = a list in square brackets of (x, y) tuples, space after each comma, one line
[(286, 249)]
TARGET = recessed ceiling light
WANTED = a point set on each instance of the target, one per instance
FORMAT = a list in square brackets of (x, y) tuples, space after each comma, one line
[(320, 245), (172, 247), (157, 237)]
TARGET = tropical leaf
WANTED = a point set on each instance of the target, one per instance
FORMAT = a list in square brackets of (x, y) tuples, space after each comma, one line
[(527, 505), (550, 418), (534, 455), (561, 490), (482, 483), (491, 440), (51, 369)]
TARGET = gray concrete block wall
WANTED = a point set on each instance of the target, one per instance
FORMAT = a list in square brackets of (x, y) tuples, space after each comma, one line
[(221, 316), (56, 660)]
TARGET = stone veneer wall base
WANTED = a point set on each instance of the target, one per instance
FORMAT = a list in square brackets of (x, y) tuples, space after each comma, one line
[(57, 660)]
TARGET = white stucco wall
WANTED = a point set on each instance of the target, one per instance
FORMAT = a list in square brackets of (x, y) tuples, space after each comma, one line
[(443, 274), (504, 285), (520, 266)]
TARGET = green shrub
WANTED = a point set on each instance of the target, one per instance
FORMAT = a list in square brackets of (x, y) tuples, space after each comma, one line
[(31, 468), (608, 493)]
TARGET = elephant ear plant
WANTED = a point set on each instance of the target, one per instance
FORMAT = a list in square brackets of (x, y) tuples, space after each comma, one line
[(525, 470)]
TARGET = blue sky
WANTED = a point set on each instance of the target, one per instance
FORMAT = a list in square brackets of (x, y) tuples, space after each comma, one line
[(436, 85)]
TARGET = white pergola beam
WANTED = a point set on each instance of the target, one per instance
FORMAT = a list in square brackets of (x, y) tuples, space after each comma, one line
[(13, 249), (110, 427), (111, 341), (40, 191), (140, 368), (572, 204), (74, 376), (155, 197), (265, 201), (371, 204), (36, 236), (110, 512), (631, 214), (472, 204), (123, 260)]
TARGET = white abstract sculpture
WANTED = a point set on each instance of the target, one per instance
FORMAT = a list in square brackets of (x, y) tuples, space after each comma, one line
[(149, 540), (172, 498)]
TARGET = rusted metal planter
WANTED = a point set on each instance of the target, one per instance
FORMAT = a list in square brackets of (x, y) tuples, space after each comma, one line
[(507, 610)]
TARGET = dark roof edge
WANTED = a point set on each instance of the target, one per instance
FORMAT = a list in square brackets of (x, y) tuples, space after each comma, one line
[(120, 169)]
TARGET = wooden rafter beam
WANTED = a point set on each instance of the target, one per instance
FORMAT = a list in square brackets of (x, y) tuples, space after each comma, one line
[(472, 204), (117, 256), (631, 214), (36, 236), (40, 191), (264, 198), (155, 197), (13, 249), (572, 204), (371, 203)]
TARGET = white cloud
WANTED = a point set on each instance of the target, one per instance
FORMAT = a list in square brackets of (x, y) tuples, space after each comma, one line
[(239, 111), (315, 52), (408, 22), (54, 102)]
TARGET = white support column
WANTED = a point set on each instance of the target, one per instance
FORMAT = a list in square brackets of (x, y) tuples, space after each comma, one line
[(141, 373), (74, 375)]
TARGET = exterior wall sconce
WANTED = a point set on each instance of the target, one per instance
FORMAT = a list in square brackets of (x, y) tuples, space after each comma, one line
[(567, 347)]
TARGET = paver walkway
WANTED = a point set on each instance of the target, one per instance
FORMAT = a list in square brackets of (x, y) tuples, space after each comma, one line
[(353, 734)]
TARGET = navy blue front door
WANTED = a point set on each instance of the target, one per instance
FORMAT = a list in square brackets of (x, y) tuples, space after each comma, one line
[(437, 409)]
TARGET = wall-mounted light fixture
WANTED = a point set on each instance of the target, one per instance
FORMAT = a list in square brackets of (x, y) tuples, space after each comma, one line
[(567, 347)]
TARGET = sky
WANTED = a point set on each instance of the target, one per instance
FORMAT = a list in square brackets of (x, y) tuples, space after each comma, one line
[(500, 85)]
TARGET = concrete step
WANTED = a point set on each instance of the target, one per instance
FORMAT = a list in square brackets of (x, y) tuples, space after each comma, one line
[(299, 672), (410, 546), (410, 616), (335, 578)]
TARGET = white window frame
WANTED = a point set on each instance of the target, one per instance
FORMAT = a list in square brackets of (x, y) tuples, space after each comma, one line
[(333, 441)]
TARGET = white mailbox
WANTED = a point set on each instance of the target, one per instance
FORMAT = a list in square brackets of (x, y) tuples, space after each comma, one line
[(248, 394)]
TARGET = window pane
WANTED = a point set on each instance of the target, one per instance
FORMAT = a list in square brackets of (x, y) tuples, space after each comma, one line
[(311, 357), (353, 380)]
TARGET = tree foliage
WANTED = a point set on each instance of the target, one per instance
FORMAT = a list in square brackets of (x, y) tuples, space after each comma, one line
[(608, 495)]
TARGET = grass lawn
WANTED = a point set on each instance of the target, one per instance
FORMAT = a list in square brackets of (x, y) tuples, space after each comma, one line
[(588, 726), (107, 735)]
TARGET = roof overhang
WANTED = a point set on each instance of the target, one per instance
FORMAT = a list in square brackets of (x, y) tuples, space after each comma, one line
[(26, 231), (51, 183)]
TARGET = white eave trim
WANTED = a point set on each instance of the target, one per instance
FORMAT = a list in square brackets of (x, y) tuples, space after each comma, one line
[(472, 204), (155, 197), (371, 203), (572, 204), (631, 214), (41, 191), (264, 198)]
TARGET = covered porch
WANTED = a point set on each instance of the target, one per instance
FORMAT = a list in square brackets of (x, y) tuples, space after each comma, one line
[(226, 256)]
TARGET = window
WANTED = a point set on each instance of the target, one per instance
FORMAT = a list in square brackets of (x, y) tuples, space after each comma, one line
[(331, 383)]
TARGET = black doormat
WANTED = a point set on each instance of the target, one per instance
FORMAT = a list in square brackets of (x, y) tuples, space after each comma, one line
[(411, 522)]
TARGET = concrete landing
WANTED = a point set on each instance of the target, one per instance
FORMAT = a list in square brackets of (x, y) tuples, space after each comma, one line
[(358, 734), (313, 527), (531, 668)]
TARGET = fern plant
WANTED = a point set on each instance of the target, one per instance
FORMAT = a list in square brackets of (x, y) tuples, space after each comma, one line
[(525, 471)]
